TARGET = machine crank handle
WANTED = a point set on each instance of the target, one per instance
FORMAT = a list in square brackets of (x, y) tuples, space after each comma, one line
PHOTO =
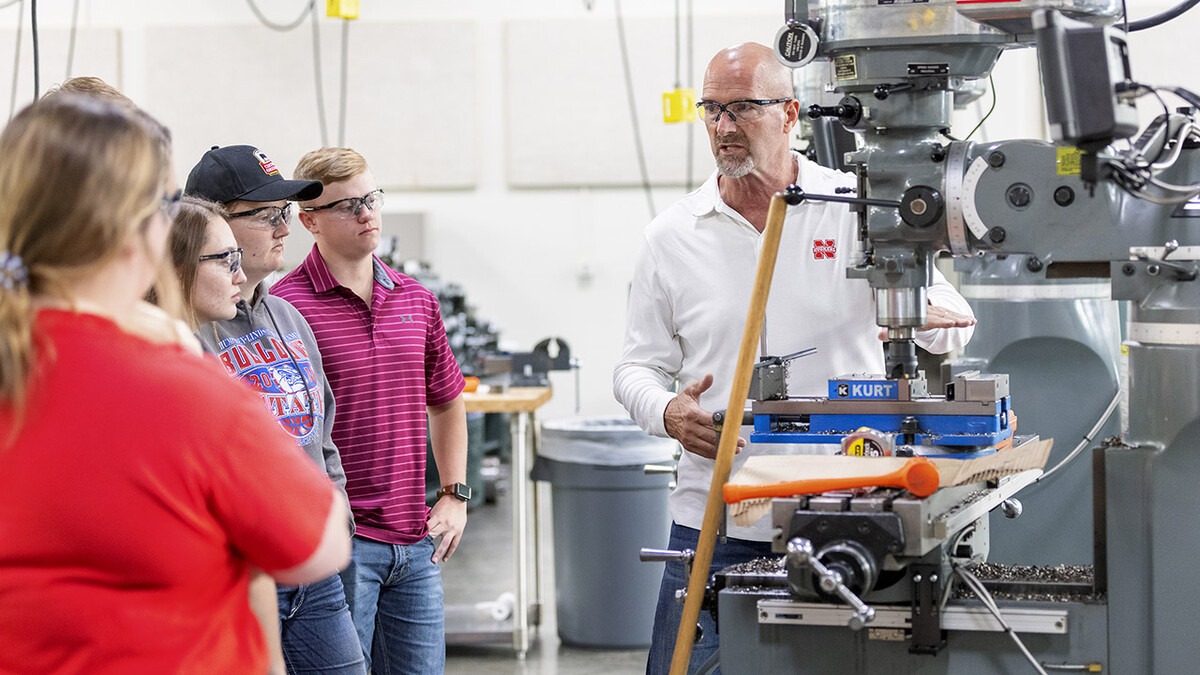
[(667, 555), (659, 469), (780, 360), (800, 551), (920, 206), (654, 469), (718, 418), (801, 196)]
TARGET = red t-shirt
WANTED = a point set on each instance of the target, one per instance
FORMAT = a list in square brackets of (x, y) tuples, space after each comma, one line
[(385, 364), (142, 485)]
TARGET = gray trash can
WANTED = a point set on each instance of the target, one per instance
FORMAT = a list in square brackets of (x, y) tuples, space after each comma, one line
[(605, 510)]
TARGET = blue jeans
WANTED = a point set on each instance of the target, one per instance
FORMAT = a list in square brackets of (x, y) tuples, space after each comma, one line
[(316, 629), (395, 598), (670, 611)]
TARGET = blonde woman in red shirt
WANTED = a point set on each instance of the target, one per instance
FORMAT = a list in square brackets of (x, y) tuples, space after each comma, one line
[(140, 484)]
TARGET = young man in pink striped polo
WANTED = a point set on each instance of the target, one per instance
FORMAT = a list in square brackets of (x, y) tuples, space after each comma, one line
[(391, 370)]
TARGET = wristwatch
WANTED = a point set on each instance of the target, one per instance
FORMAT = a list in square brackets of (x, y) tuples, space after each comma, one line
[(459, 491)]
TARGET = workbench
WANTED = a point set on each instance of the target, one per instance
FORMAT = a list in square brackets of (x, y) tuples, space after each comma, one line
[(522, 403)]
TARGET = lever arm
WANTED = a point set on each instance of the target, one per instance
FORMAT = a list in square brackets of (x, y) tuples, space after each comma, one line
[(800, 551)]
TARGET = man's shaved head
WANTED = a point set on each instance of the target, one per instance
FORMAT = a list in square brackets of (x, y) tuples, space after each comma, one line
[(753, 64)]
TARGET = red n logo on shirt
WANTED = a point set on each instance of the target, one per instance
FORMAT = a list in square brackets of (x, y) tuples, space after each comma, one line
[(824, 249)]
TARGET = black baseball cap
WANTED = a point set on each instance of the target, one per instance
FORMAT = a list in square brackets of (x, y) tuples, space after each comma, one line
[(244, 172)]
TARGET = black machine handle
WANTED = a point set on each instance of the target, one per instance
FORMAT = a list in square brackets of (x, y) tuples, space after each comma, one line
[(718, 418)]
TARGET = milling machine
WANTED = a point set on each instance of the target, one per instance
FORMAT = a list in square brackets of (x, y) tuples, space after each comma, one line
[(882, 562)]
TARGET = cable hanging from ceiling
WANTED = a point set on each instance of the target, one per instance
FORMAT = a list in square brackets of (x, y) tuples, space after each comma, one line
[(281, 27), (12, 101), (71, 39), (637, 133), (310, 12)]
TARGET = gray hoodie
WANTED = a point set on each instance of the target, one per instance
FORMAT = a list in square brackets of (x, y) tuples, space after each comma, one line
[(270, 347)]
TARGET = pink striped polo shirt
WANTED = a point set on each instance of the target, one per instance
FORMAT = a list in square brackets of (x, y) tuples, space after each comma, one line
[(385, 364)]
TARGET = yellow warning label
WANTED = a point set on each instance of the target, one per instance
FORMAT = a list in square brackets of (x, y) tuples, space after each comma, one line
[(845, 67), (1124, 350), (679, 105), (1067, 161), (341, 9)]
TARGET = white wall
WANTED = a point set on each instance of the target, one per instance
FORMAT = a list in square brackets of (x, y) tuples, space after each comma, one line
[(456, 102)]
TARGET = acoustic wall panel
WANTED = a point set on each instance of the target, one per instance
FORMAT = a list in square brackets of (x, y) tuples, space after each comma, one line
[(97, 53), (410, 105), (567, 112)]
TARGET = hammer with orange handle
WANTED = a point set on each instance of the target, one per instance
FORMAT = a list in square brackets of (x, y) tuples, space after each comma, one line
[(918, 475)]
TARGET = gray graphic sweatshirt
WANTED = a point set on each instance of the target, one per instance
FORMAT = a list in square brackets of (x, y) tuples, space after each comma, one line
[(271, 348)]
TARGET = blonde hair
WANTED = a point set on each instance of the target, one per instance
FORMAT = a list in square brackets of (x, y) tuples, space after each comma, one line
[(189, 231), (330, 165), (80, 177), (88, 86), (98, 88)]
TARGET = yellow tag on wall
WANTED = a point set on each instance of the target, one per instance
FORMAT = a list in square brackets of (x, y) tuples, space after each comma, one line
[(341, 9), (679, 106)]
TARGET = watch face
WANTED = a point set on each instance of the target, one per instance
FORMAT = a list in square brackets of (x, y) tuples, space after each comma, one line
[(458, 491)]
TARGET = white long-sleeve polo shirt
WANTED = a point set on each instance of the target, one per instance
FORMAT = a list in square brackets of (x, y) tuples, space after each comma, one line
[(690, 296)]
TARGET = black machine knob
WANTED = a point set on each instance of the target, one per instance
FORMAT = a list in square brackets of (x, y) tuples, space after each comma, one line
[(848, 111), (1019, 195), (815, 111), (921, 206)]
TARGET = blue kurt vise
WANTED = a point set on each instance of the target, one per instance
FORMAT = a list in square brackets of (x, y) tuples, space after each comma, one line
[(970, 417)]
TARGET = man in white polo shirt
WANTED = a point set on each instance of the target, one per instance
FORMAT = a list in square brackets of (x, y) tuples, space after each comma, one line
[(692, 287)]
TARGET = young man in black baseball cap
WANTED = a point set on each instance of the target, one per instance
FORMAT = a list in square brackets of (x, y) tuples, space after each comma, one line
[(247, 183), (270, 347)]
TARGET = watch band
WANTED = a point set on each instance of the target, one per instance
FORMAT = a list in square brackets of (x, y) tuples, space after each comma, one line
[(459, 491)]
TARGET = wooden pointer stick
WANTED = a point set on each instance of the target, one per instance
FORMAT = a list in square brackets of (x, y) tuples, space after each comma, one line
[(714, 508)]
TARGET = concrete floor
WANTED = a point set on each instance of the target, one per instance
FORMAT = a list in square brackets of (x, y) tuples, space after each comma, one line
[(481, 570)]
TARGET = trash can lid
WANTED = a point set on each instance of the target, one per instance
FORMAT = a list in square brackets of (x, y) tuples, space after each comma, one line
[(606, 441)]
